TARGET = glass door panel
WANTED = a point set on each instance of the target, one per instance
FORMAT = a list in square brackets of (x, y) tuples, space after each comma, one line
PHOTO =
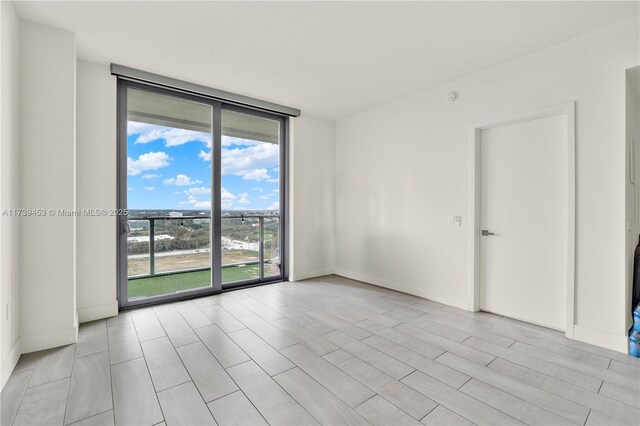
[(250, 196), (168, 194), (271, 242), (240, 249), (184, 244), (202, 184)]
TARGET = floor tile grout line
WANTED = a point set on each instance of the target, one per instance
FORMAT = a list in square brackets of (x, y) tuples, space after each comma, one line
[(242, 392), (113, 401), (147, 365), (467, 381), (261, 338), (376, 350), (187, 370), (283, 389), (471, 377), (576, 362), (126, 360), (430, 411), (375, 391), (543, 373), (568, 357), (26, 388), (459, 327), (554, 395), (88, 417), (516, 397), (368, 399), (73, 367), (545, 336), (218, 361), (288, 315)]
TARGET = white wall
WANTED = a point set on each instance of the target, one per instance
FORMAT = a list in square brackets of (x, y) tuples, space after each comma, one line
[(312, 172), (47, 181), (96, 189), (402, 169), (632, 122), (9, 85), (312, 159)]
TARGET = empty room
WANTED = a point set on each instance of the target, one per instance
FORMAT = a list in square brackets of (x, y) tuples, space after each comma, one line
[(319, 213)]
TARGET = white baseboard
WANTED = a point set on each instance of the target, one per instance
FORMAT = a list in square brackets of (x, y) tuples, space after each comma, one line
[(311, 274), (37, 342), (615, 342), (436, 296), (52, 339), (9, 364), (93, 313)]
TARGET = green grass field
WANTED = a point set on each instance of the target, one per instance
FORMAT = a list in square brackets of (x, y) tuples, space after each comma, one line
[(167, 284)]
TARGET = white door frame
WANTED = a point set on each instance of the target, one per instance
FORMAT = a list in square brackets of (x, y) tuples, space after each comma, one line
[(568, 110)]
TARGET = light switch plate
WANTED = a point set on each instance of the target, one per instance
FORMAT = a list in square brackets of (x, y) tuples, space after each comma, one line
[(455, 221)]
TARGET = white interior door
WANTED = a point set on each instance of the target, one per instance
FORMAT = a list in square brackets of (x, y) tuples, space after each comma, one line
[(523, 206)]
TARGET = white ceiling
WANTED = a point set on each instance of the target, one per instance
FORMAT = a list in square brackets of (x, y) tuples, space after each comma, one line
[(329, 59)]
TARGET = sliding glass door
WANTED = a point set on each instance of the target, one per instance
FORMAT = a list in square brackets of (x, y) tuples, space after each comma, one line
[(202, 184), (250, 161)]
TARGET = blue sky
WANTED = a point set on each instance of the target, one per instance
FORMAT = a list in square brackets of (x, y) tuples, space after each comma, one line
[(170, 168)]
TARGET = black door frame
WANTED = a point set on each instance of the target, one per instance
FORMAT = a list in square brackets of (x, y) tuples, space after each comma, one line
[(216, 208)]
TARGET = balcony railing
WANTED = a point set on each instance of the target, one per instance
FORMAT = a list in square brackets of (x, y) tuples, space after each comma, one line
[(166, 245)]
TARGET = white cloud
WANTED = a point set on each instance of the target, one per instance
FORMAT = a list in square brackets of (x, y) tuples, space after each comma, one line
[(239, 161), (198, 191), (226, 195), (257, 174), (130, 188), (231, 141), (202, 205), (181, 180), (150, 176), (251, 161), (228, 198), (244, 198), (149, 188), (258, 189), (148, 161), (264, 197), (274, 206), (136, 128), (170, 135), (276, 190), (198, 204)]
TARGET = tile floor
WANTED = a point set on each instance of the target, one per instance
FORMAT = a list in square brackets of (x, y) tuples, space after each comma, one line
[(323, 351)]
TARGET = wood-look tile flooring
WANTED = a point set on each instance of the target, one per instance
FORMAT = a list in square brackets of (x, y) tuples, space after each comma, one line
[(322, 351)]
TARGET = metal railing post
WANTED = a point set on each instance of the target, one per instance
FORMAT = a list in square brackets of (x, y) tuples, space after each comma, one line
[(261, 252), (152, 247)]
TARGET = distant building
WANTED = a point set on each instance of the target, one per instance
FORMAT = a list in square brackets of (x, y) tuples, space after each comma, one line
[(229, 244), (145, 238)]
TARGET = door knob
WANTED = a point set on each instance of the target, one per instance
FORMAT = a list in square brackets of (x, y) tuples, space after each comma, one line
[(486, 233)]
